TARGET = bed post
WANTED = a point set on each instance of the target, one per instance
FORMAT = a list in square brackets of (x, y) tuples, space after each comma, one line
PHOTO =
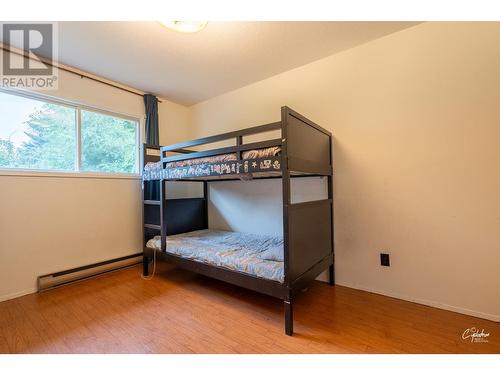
[(205, 204), (163, 215), (285, 174), (287, 303), (145, 265), (331, 269)]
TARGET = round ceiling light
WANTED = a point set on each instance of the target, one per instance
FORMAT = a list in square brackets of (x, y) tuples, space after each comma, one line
[(185, 26)]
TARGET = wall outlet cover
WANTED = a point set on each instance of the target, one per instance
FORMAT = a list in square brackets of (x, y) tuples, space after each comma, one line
[(384, 260)]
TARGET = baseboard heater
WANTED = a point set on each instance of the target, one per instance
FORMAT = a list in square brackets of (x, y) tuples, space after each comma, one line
[(74, 275)]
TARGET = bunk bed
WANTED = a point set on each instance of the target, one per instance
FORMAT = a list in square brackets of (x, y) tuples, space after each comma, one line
[(176, 230)]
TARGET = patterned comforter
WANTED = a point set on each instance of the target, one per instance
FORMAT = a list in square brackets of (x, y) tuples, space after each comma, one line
[(153, 171), (232, 250)]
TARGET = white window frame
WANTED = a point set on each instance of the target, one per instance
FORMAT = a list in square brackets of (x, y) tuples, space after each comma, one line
[(77, 172)]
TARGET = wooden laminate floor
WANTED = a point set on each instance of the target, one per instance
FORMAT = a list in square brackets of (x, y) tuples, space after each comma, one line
[(179, 312)]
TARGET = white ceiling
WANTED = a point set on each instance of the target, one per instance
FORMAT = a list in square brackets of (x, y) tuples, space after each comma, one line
[(189, 68)]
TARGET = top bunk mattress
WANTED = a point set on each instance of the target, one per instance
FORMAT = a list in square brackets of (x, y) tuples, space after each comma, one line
[(253, 254), (153, 171)]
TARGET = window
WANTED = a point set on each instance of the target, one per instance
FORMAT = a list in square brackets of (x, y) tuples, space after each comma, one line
[(108, 143), (46, 135), (36, 134)]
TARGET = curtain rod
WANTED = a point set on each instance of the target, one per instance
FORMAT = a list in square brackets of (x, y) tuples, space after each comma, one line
[(75, 71)]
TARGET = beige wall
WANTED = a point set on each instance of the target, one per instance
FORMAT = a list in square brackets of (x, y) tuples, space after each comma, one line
[(416, 119), (49, 224), (175, 123)]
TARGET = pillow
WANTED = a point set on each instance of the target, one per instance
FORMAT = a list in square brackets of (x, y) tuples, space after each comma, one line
[(273, 253)]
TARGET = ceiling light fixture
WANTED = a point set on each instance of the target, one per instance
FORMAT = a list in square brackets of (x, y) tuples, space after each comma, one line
[(185, 26)]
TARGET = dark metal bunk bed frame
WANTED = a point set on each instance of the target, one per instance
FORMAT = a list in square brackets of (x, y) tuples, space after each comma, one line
[(308, 237)]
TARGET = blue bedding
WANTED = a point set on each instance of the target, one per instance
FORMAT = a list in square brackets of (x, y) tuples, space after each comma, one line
[(236, 251)]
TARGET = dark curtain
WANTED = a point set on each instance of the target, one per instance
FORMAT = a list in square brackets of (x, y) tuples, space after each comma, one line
[(152, 188), (152, 132)]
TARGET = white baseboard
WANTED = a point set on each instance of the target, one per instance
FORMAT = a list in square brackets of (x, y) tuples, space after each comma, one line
[(443, 306)]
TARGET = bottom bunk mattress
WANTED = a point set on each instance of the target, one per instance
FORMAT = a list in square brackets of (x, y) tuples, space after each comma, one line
[(256, 255)]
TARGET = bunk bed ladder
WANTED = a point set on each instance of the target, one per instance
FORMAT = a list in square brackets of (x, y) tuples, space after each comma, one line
[(150, 204)]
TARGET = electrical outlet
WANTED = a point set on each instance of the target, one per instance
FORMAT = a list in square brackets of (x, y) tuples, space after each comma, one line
[(384, 260)]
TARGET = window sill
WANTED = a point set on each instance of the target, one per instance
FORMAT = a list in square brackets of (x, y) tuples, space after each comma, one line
[(60, 174)]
